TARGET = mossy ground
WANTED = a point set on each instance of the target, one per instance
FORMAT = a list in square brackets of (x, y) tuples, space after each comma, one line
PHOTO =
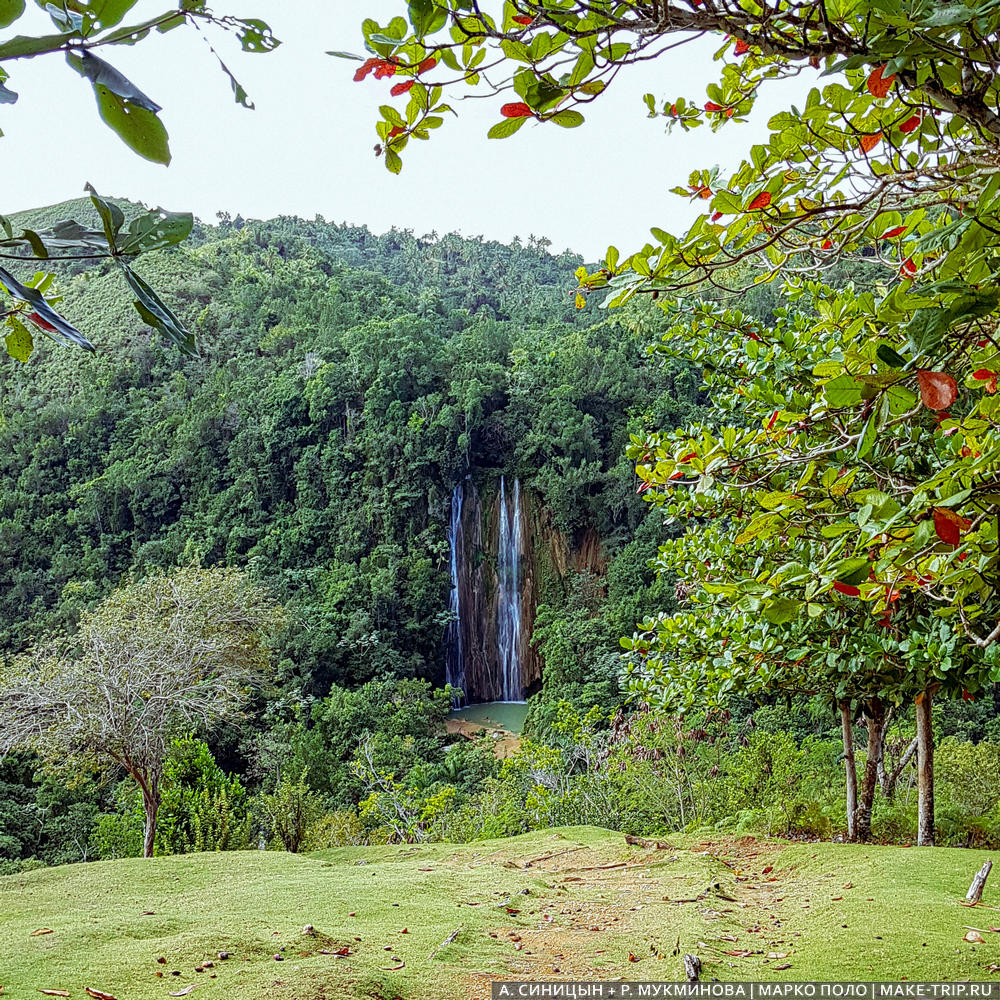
[(572, 903)]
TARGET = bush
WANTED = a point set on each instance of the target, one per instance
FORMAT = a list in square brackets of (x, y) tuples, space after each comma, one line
[(289, 813)]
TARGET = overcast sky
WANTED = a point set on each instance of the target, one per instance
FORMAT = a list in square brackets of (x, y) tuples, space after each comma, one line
[(308, 148)]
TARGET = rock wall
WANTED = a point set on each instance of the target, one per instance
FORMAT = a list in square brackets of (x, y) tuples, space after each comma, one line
[(546, 557)]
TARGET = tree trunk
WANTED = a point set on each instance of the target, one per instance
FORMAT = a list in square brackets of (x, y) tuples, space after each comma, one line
[(847, 730), (888, 779), (151, 805), (876, 732), (925, 770), (975, 893)]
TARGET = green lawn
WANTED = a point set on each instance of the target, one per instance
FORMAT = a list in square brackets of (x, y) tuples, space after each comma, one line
[(584, 903)]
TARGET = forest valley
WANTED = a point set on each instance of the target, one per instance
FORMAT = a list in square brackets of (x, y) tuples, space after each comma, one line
[(401, 461)]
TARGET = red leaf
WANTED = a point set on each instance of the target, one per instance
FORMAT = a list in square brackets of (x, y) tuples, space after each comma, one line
[(38, 321), (401, 88), (394, 131), (908, 267), (688, 456), (879, 86), (827, 244), (753, 336), (712, 106), (365, 68), (984, 374), (761, 201), (677, 475), (524, 19), (938, 390), (716, 216), (384, 69), (428, 64), (869, 142), (949, 525), (966, 696), (772, 421), (741, 47), (518, 110), (846, 588), (910, 124), (891, 234)]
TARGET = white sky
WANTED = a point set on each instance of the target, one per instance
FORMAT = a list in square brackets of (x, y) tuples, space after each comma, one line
[(308, 148)]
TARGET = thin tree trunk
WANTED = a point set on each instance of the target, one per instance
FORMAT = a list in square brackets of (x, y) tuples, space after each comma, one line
[(151, 806), (888, 779), (925, 770), (847, 730), (876, 732)]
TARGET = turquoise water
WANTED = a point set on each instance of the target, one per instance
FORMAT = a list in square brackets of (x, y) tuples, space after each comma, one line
[(507, 715)]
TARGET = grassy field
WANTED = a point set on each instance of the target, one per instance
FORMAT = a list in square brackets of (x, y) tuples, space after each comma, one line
[(440, 921)]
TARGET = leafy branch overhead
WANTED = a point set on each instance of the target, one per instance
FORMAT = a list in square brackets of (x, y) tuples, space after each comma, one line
[(81, 28), (859, 422)]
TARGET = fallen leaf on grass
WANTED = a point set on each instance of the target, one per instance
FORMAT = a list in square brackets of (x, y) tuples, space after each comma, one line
[(55, 993), (97, 994), (974, 937), (777, 954), (781, 968), (392, 968), (40, 931)]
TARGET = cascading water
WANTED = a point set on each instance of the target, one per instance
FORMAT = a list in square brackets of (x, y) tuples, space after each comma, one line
[(455, 659), (508, 595)]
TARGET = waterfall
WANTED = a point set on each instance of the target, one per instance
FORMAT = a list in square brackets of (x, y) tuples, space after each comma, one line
[(509, 596), (455, 657)]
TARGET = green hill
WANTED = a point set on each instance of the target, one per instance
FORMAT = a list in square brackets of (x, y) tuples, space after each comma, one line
[(441, 920)]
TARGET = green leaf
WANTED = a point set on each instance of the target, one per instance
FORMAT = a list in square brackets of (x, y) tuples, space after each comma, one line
[(393, 161), (158, 314), (506, 128), (111, 215), (889, 356), (868, 438), (843, 391), (156, 230), (138, 128), (108, 13), (19, 342), (102, 74), (567, 119), (852, 571), (781, 610), (10, 11)]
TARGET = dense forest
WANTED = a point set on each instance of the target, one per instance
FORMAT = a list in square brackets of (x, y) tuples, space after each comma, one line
[(348, 384)]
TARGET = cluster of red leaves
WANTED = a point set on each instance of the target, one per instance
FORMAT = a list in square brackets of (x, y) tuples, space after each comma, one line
[(387, 67), (382, 68), (517, 110)]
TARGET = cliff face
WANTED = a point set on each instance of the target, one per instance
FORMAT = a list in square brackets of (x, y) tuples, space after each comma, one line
[(545, 557)]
